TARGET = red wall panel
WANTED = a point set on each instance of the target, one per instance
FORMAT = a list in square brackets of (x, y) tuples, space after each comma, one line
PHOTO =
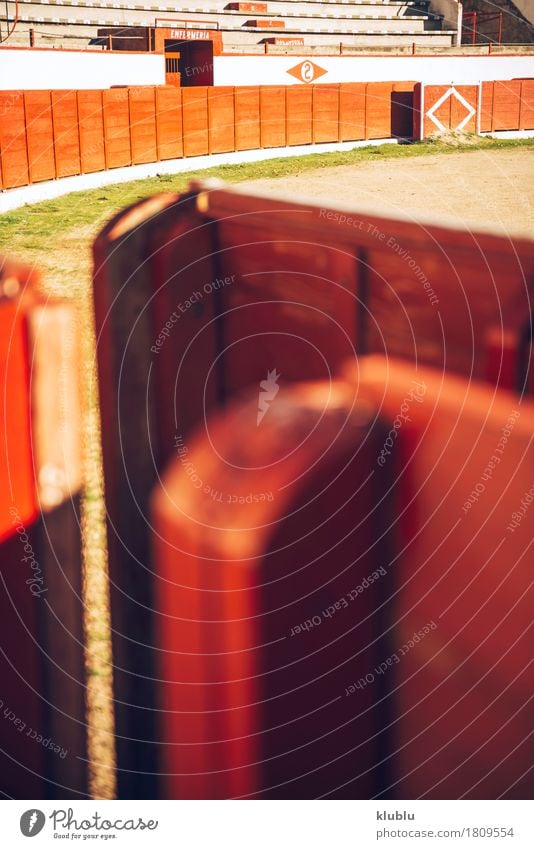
[(506, 105), (299, 114), (378, 110), (116, 127), (352, 111), (247, 117), (273, 116), (13, 147), (66, 133), (326, 113), (39, 135), (221, 117)]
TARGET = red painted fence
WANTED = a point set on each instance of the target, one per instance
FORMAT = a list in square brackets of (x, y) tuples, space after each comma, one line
[(42, 703)]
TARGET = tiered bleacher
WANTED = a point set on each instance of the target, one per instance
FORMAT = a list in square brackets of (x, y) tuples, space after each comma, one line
[(245, 27)]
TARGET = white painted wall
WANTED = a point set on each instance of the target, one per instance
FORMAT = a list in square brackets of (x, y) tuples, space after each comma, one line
[(22, 68), (265, 70)]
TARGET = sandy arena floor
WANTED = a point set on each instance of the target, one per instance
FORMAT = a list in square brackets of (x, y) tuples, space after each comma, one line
[(476, 189)]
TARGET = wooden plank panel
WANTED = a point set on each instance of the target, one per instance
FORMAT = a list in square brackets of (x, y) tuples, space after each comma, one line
[(221, 119), (13, 146), (326, 113), (378, 110), (195, 120), (526, 121), (247, 117), (506, 105), (273, 116), (169, 122), (66, 133), (142, 103), (299, 114), (231, 601), (41, 609), (352, 111), (91, 131), (117, 143), (166, 350), (486, 107), (39, 135), (402, 98)]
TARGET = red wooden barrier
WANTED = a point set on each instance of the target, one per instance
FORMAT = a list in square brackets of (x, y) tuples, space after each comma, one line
[(243, 560), (39, 135), (169, 127), (352, 111), (273, 116), (259, 530), (142, 102), (66, 133), (221, 287), (326, 113), (92, 152), (247, 117), (299, 123), (48, 134), (221, 119), (117, 145), (195, 120), (42, 723), (439, 108)]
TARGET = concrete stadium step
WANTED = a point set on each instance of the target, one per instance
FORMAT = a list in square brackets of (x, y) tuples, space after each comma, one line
[(81, 36)]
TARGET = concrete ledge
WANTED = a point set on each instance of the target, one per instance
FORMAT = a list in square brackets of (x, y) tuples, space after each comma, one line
[(14, 198), (510, 134)]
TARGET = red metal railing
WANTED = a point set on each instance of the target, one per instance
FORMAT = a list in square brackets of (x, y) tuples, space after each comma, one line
[(471, 28)]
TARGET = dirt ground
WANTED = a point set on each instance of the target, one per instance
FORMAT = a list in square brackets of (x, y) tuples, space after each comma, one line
[(477, 189)]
